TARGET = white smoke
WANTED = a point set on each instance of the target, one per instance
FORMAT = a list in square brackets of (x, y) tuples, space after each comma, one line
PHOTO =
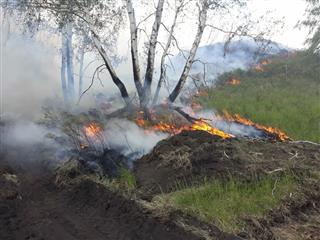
[(29, 75), (236, 129), (23, 133), (241, 54), (130, 139)]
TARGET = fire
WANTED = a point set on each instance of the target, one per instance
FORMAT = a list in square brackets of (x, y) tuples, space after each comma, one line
[(260, 66), (203, 125), (92, 130), (239, 119), (234, 82), (172, 129)]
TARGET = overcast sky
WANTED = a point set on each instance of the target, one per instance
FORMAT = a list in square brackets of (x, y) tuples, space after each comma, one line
[(292, 11), (289, 11)]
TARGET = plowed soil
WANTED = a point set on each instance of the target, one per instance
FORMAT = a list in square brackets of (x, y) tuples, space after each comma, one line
[(32, 207)]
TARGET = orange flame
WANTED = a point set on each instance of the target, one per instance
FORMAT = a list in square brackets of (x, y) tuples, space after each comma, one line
[(203, 125), (172, 129), (274, 131), (260, 67), (234, 82), (92, 130)]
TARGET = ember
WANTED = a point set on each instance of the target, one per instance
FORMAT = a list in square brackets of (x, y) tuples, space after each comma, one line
[(92, 130), (260, 66)]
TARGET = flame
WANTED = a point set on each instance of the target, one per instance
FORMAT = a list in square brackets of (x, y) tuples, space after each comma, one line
[(234, 82), (172, 129), (92, 130), (239, 119), (260, 67), (203, 125)]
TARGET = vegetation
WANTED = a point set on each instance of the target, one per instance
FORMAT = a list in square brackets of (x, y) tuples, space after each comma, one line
[(284, 95), (70, 172), (312, 22), (226, 203), (126, 178)]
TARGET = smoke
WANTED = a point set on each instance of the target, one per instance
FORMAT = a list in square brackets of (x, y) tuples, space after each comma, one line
[(25, 144), (131, 140), (29, 76), (233, 128), (241, 54), (24, 133)]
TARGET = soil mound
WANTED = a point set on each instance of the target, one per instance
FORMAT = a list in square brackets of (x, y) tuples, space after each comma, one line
[(192, 156)]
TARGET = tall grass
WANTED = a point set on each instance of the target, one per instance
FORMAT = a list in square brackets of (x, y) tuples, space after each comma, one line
[(286, 95), (225, 203)]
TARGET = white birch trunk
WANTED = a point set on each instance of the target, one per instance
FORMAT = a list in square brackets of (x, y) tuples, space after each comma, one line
[(81, 69), (165, 53), (63, 67), (201, 26), (152, 52), (70, 71), (134, 49)]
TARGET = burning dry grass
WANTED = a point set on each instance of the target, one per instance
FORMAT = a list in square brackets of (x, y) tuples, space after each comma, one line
[(234, 82), (285, 96), (201, 124), (261, 66), (280, 135)]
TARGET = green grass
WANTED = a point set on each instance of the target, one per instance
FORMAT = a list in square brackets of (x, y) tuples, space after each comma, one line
[(225, 203), (286, 95), (126, 178)]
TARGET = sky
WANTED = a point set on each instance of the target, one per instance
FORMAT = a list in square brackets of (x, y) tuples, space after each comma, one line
[(292, 11), (289, 11)]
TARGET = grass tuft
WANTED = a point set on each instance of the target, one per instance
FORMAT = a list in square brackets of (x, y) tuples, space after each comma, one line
[(127, 179)]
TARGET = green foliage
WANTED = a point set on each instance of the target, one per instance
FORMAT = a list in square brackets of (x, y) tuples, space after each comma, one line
[(126, 178), (225, 203), (312, 22), (286, 95)]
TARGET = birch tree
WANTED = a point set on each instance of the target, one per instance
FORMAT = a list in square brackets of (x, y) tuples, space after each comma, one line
[(101, 20)]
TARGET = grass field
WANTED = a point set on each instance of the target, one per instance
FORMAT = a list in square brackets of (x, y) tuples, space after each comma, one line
[(225, 203), (285, 95)]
